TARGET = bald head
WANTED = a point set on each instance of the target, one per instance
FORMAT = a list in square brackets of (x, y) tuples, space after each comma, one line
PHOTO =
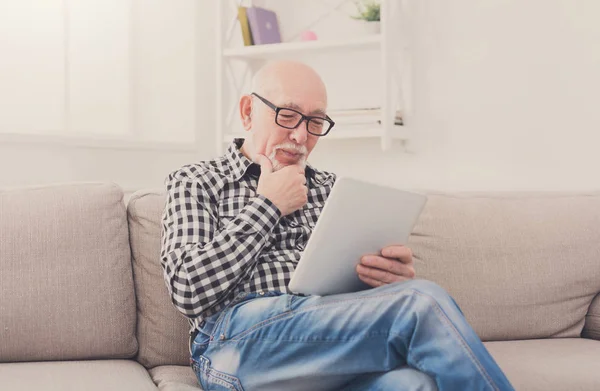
[(288, 80)]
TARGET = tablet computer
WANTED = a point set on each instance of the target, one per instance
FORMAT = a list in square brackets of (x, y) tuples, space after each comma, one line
[(358, 218)]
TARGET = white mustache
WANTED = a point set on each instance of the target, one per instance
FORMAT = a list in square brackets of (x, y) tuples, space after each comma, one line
[(301, 149)]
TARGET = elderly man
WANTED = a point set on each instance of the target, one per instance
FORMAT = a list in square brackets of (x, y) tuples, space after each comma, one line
[(233, 231)]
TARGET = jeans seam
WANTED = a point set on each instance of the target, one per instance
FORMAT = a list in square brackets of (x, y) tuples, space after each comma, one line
[(226, 321), (215, 376), (321, 341), (290, 313), (442, 315), (217, 324), (229, 380)]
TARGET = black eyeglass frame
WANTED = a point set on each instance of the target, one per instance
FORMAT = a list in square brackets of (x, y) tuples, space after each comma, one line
[(303, 117)]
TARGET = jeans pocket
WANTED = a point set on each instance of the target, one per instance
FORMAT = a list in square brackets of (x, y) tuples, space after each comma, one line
[(212, 380), (199, 344)]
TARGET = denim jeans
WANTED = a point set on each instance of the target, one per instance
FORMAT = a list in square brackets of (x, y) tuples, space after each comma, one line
[(403, 336)]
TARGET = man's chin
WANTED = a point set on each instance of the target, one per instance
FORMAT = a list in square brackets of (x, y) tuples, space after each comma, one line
[(277, 165)]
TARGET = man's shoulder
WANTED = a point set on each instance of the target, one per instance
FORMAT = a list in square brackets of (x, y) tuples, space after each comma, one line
[(207, 173)]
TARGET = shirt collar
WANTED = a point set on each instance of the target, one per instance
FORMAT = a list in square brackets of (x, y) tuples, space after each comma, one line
[(240, 165)]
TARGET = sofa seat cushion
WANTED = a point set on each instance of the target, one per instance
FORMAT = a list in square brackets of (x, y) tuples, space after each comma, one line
[(97, 375), (175, 378), (550, 364)]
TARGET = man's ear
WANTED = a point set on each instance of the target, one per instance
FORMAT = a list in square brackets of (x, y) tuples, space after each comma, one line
[(246, 111)]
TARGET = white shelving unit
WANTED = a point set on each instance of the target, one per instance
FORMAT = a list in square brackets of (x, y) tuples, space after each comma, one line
[(391, 44), (267, 52)]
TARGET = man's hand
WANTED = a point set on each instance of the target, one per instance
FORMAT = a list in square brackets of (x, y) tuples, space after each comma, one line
[(393, 265), (286, 188)]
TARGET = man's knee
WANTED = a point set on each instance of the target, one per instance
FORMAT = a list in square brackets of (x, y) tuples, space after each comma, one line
[(426, 287), (427, 294)]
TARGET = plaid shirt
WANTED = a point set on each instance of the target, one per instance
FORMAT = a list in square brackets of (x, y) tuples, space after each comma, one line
[(220, 238)]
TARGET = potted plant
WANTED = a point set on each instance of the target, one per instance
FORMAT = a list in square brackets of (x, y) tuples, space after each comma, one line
[(369, 13)]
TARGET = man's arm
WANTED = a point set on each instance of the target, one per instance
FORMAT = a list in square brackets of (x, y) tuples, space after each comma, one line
[(202, 264)]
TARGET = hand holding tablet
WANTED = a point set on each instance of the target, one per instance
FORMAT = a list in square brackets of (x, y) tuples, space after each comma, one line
[(359, 218)]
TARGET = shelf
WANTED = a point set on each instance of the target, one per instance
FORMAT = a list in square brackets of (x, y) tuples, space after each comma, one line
[(274, 50), (374, 132), (365, 133)]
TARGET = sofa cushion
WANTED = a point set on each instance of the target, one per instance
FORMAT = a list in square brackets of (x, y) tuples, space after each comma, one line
[(162, 331), (592, 320), (66, 286), (520, 265), (102, 375), (175, 378), (556, 364)]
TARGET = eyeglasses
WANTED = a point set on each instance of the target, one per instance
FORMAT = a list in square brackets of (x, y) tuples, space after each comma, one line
[(291, 119)]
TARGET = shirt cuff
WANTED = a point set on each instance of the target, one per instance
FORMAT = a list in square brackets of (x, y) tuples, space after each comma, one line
[(260, 214)]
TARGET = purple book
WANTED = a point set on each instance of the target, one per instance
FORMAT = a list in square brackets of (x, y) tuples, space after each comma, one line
[(263, 26)]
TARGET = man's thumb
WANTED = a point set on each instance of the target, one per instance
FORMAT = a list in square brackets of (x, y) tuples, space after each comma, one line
[(265, 164)]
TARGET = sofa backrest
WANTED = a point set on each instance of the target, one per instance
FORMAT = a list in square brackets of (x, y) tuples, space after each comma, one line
[(66, 285), (162, 331), (520, 265)]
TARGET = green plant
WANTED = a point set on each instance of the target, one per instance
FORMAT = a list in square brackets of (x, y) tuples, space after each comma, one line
[(368, 10)]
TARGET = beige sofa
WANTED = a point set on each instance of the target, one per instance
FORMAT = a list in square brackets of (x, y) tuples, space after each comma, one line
[(83, 305)]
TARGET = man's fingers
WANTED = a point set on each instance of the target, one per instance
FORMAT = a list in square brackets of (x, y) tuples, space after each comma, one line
[(402, 253), (293, 169), (391, 265), (377, 274), (370, 281), (381, 277), (265, 164)]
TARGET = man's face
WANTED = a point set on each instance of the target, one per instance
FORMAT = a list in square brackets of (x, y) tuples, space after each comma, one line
[(284, 146)]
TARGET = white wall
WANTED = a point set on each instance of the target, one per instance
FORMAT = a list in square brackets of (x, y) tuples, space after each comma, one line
[(125, 77), (505, 95)]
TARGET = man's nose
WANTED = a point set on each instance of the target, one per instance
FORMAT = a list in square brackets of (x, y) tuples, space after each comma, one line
[(300, 134)]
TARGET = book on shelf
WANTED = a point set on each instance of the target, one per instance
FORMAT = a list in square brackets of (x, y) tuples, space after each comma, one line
[(264, 26), (245, 26)]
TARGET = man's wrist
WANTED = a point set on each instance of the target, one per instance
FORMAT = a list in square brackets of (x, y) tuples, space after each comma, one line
[(273, 201), (271, 207)]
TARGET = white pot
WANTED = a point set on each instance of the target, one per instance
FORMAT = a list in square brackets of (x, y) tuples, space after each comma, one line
[(371, 27)]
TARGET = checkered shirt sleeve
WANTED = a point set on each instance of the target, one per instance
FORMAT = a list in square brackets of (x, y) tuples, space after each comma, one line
[(202, 262)]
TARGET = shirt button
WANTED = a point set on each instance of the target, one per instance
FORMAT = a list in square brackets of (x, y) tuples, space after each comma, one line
[(293, 223), (262, 293)]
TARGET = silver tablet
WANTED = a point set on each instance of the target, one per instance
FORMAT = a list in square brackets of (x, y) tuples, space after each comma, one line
[(358, 218)]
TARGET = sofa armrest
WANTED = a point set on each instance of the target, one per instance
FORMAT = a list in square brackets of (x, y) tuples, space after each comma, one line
[(591, 328)]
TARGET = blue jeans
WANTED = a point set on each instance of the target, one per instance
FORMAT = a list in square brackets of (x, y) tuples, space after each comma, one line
[(403, 336)]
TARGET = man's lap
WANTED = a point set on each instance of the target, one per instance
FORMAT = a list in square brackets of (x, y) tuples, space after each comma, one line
[(333, 338)]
